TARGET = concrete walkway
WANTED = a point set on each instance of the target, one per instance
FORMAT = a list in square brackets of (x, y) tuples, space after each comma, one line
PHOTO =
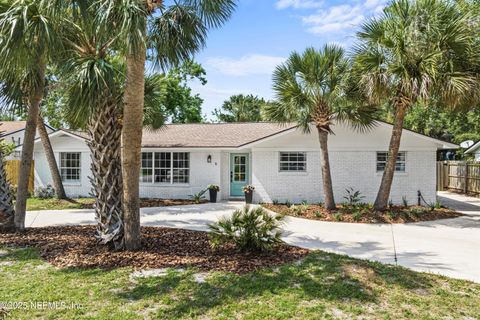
[(449, 247)]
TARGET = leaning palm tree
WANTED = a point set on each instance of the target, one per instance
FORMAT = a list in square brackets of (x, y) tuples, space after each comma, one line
[(311, 88), (176, 30), (415, 51), (27, 36)]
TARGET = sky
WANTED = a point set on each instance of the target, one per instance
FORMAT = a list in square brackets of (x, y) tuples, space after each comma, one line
[(241, 56)]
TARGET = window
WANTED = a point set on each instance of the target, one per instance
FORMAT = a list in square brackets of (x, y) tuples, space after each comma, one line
[(146, 170), (165, 167), (382, 161), (70, 165), (293, 161)]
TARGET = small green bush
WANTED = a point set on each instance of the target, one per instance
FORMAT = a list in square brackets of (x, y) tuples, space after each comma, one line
[(199, 196), (415, 212), (353, 197), (318, 214), (288, 203), (392, 215), (250, 229), (47, 192), (405, 202), (338, 216), (275, 201)]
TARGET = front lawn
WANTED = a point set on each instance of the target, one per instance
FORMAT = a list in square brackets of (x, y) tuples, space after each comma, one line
[(34, 204), (319, 286)]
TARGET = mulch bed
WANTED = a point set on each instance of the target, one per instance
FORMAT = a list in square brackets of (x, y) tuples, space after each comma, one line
[(396, 214), (76, 247)]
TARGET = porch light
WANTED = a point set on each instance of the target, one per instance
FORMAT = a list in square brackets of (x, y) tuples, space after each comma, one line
[(209, 159)]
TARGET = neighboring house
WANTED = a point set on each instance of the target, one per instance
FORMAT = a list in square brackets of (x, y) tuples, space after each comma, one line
[(474, 150), (281, 162), (13, 132)]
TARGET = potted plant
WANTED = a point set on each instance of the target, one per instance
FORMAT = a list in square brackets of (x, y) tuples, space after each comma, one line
[(248, 191), (213, 189)]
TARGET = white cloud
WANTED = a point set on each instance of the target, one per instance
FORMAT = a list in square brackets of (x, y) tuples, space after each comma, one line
[(337, 19), (298, 4), (246, 65)]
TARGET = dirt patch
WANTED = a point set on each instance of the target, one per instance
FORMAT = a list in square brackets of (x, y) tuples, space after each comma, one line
[(162, 248), (363, 213)]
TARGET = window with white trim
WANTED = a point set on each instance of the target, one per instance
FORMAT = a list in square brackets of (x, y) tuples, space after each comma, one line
[(165, 167), (70, 166), (293, 162), (382, 158)]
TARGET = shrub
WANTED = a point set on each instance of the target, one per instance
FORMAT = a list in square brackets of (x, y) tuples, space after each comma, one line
[(390, 204), (304, 202), (357, 215), (415, 212), (250, 229), (338, 216), (299, 210), (318, 214), (275, 201), (199, 196), (353, 197), (404, 202), (47, 192), (288, 203), (392, 215), (213, 187)]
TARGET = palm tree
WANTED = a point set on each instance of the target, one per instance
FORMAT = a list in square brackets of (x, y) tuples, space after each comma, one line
[(27, 35), (175, 31), (241, 108), (312, 88), (416, 51), (52, 162), (6, 203)]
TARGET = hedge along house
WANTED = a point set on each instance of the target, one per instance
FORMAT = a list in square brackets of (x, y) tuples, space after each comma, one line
[(281, 162)]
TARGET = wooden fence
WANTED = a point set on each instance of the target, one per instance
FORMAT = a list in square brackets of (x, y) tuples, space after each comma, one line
[(11, 169), (460, 176)]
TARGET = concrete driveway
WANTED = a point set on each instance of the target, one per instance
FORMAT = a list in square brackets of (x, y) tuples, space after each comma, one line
[(449, 247)]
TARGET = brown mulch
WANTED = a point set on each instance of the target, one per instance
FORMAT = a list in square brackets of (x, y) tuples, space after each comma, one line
[(396, 214), (76, 247)]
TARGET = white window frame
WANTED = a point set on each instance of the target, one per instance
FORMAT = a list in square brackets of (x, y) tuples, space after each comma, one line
[(401, 164), (62, 167), (172, 169), (290, 162)]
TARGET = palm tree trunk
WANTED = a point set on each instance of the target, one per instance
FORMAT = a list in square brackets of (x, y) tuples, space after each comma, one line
[(105, 145), (52, 162), (27, 149), (381, 202), (132, 142), (6, 204), (326, 174)]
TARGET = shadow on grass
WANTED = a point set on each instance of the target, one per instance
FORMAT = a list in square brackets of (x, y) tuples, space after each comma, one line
[(320, 276)]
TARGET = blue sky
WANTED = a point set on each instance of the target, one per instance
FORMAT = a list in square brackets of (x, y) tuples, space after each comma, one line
[(240, 57)]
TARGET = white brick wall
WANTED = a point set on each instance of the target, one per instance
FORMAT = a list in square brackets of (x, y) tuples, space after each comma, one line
[(349, 169)]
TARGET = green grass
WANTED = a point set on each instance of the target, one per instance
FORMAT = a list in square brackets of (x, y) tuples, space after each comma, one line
[(56, 204), (322, 286)]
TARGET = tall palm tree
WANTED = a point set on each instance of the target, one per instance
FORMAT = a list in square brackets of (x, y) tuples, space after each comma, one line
[(415, 51), (175, 31), (6, 203), (312, 88), (52, 162), (27, 36)]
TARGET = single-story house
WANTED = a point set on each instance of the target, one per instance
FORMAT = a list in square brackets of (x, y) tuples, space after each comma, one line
[(474, 150), (280, 161), (13, 132)]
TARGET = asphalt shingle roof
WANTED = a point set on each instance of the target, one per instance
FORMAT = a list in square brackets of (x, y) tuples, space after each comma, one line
[(7, 127), (206, 135)]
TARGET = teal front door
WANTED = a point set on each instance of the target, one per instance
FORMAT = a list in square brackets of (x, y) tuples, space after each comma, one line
[(239, 173)]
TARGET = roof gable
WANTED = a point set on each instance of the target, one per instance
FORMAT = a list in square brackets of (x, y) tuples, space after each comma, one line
[(473, 148)]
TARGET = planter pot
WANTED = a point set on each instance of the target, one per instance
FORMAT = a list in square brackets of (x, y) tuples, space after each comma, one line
[(248, 197), (213, 195)]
